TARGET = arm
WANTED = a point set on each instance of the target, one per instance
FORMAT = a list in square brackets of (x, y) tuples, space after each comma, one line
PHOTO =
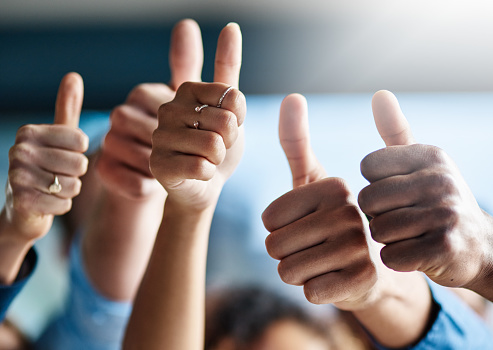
[(422, 209), (122, 229), (40, 152), (192, 164), (323, 243)]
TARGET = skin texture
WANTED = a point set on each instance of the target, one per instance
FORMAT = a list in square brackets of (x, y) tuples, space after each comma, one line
[(129, 208), (422, 209), (323, 243), (192, 165), (40, 152)]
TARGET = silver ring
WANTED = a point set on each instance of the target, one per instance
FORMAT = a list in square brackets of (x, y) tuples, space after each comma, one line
[(219, 104), (196, 124), (55, 187), (199, 109)]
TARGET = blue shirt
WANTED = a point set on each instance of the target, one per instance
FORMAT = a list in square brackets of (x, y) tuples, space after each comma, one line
[(8, 293), (89, 321), (456, 326)]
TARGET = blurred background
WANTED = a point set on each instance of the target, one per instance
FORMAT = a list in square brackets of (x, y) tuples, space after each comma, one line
[(309, 46), (436, 55)]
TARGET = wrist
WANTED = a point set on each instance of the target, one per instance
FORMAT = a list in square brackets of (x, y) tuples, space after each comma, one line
[(13, 250), (402, 313), (482, 283)]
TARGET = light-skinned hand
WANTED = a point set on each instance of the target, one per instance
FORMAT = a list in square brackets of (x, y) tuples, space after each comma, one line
[(193, 163), (40, 152), (123, 164)]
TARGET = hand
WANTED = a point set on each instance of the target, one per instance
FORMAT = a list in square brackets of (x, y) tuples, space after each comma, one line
[(40, 153), (193, 163), (123, 164), (317, 230), (422, 209)]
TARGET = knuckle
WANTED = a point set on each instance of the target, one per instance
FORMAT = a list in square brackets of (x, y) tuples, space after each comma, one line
[(23, 152), (24, 201), (229, 122), (65, 206), (82, 141), (338, 188), (81, 165), (214, 145), (185, 88), (238, 104), (26, 132), (366, 164), (76, 187), (436, 155), (19, 177), (447, 243), (271, 246), (377, 230), (448, 214), (139, 92), (287, 274), (312, 293), (165, 109), (119, 115), (364, 200), (200, 169)]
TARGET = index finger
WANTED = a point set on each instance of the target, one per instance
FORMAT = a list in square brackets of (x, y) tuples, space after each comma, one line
[(69, 100), (400, 160), (228, 56)]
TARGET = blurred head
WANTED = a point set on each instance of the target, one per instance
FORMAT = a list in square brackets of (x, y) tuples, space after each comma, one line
[(257, 319)]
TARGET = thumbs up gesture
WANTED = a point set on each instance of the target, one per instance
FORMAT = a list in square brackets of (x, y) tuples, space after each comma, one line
[(199, 140), (46, 162), (317, 230), (422, 209), (123, 164)]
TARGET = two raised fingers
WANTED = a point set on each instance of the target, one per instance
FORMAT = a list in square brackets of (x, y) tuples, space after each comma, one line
[(186, 54)]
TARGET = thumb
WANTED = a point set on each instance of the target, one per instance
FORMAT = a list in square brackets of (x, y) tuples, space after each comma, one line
[(391, 123), (186, 54), (69, 100), (295, 141)]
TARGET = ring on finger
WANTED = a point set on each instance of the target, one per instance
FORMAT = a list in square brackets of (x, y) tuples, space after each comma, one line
[(199, 109), (219, 104), (55, 187)]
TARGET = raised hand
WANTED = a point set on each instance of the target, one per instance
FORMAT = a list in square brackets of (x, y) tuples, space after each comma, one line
[(317, 230), (196, 149), (46, 162), (322, 240), (124, 161), (422, 209), (42, 155)]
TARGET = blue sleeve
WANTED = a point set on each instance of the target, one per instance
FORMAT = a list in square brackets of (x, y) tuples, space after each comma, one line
[(89, 321), (8, 293), (456, 326)]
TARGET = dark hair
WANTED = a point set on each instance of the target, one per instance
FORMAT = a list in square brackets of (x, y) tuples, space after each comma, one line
[(244, 314)]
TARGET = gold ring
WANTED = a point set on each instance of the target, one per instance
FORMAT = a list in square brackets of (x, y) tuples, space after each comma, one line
[(55, 187)]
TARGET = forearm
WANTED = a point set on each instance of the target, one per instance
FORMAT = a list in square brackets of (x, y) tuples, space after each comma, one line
[(483, 283), (402, 313), (118, 243), (169, 310), (13, 250)]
